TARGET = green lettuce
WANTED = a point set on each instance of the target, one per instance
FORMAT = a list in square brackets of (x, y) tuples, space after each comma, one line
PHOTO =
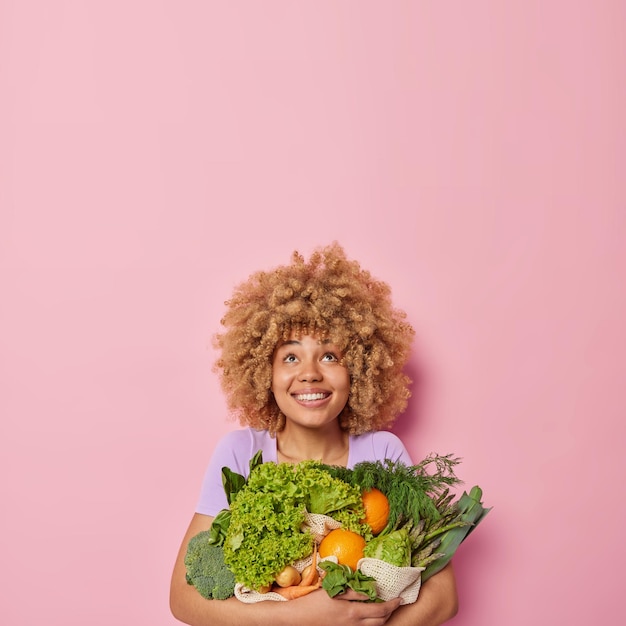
[(267, 513), (393, 548), (307, 484)]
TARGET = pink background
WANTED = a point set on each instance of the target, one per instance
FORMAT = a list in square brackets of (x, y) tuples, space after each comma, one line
[(153, 154)]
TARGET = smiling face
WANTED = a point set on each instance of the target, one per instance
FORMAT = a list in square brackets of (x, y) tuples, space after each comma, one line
[(310, 384)]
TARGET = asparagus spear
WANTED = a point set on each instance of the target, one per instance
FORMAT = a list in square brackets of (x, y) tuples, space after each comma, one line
[(470, 513)]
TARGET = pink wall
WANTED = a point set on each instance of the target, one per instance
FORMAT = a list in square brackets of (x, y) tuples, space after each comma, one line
[(152, 154)]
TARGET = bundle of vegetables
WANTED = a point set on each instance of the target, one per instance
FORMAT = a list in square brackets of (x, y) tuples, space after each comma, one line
[(263, 532)]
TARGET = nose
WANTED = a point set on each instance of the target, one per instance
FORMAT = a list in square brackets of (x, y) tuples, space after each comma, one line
[(310, 371)]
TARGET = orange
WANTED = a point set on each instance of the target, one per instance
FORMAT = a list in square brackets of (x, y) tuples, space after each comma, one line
[(376, 507), (346, 545)]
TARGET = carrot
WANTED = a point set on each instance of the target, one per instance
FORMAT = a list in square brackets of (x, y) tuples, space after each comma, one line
[(310, 581), (310, 575), (296, 591)]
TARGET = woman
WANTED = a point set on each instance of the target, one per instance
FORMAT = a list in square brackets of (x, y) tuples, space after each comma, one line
[(311, 363)]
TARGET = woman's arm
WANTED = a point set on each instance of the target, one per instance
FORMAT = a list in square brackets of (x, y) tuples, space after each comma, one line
[(190, 607), (436, 603)]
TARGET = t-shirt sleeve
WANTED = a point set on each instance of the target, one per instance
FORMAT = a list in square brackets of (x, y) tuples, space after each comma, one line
[(234, 450)]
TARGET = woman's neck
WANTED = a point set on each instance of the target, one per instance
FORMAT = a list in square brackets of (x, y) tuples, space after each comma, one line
[(330, 446)]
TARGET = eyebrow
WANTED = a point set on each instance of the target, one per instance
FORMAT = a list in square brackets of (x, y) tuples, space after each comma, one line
[(295, 342)]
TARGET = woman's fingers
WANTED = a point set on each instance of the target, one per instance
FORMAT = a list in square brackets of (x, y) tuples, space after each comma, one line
[(350, 594), (338, 612), (372, 613)]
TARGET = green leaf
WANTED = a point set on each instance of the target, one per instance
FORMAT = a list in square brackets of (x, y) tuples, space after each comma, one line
[(232, 482), (340, 578), (218, 529), (256, 460)]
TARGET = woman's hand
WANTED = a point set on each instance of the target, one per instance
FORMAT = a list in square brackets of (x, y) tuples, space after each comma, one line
[(346, 609), (350, 594)]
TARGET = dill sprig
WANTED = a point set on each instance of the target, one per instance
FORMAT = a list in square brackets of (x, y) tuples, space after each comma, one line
[(414, 492)]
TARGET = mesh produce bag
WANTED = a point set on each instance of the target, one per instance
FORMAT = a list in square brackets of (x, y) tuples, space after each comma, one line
[(250, 596), (392, 581), (319, 525)]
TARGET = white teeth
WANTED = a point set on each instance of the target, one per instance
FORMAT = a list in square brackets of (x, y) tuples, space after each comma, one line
[(311, 396)]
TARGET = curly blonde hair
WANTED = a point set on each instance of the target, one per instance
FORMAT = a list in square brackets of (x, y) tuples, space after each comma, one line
[(329, 297)]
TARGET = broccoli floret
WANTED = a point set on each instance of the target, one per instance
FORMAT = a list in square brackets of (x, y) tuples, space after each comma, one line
[(206, 570)]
